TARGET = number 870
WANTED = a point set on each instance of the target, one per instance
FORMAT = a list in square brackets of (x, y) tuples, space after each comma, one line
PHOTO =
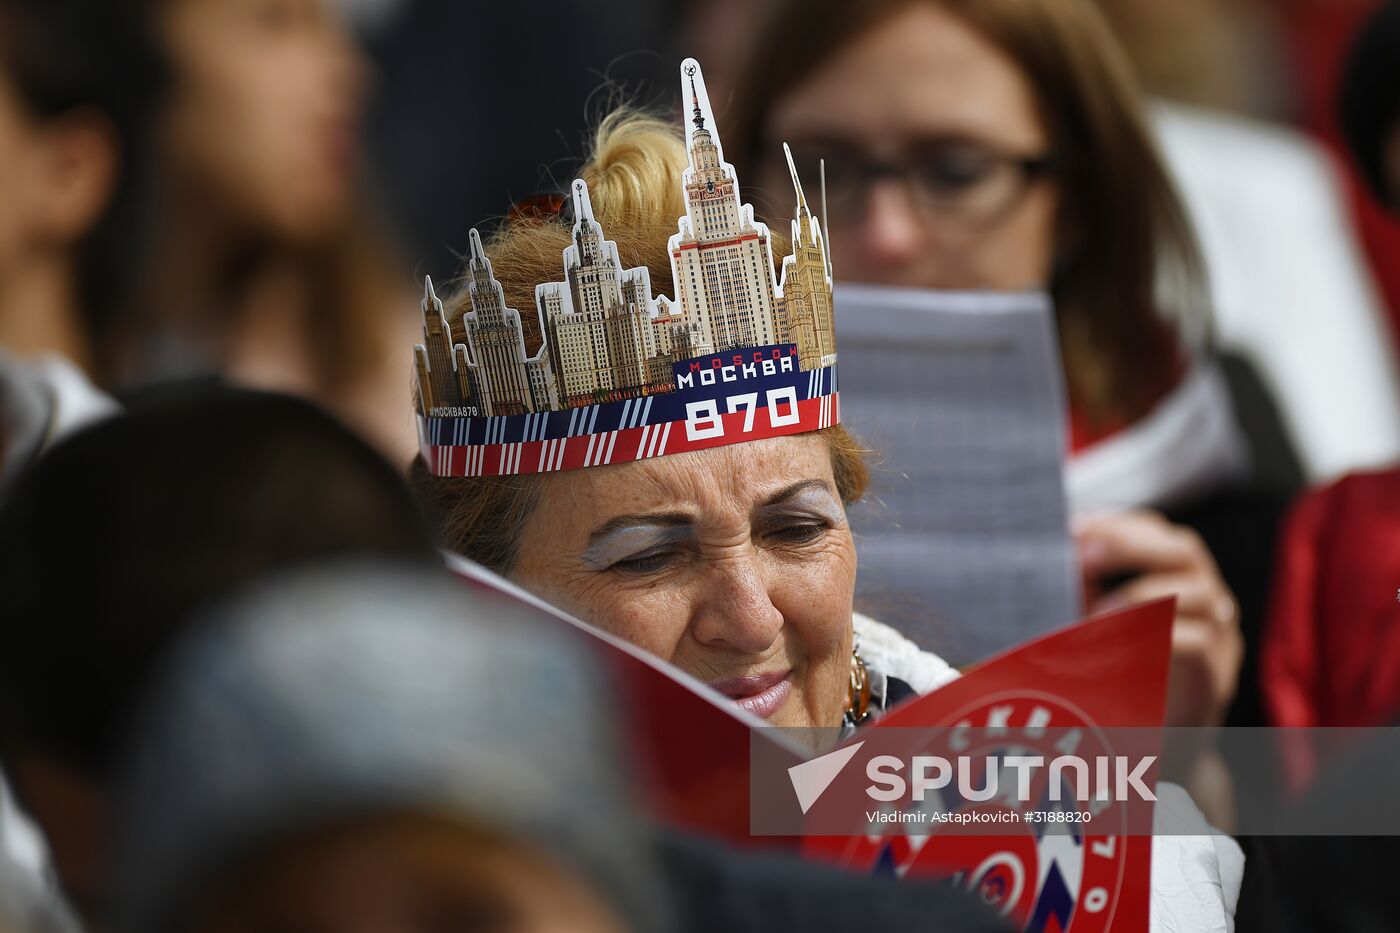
[(703, 420)]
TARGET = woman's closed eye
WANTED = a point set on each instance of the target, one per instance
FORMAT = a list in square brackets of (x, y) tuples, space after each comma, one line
[(649, 562), (797, 530), (793, 530), (804, 515)]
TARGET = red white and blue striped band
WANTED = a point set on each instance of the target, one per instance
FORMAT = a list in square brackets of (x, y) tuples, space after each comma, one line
[(716, 407)]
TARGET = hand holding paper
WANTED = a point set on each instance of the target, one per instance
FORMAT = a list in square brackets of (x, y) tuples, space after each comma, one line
[(1160, 559)]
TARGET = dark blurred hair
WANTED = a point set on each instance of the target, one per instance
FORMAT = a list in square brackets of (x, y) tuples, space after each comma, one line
[(1124, 239), (116, 534), (64, 56), (1368, 101)]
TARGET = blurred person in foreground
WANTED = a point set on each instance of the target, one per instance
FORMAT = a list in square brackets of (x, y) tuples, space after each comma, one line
[(1002, 146), (361, 747), (365, 749), (118, 533)]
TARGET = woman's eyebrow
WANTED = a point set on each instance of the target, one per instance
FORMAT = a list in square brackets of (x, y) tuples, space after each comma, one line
[(652, 519), (796, 489)]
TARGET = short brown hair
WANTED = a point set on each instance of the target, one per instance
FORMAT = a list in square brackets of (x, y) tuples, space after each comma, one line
[(634, 183), (1124, 236)]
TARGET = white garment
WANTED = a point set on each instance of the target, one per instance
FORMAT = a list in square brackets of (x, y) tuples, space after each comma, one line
[(1291, 290), (1187, 446), (21, 843), (1195, 879), (41, 400), (887, 653), (29, 896)]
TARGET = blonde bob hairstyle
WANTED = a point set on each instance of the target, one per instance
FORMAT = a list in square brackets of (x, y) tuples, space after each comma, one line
[(634, 182)]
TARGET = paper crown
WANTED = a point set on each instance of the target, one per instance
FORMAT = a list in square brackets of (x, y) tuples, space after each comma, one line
[(614, 374)]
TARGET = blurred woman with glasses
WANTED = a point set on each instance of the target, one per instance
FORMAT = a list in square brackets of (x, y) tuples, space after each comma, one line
[(1000, 144)]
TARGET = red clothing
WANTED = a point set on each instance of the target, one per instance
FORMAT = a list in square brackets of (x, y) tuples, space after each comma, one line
[(1331, 647)]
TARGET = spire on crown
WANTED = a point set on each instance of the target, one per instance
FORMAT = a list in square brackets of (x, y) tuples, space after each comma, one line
[(430, 298), (802, 210), (583, 205), (588, 234), (478, 253), (704, 145), (478, 264), (805, 286), (483, 289), (698, 117)]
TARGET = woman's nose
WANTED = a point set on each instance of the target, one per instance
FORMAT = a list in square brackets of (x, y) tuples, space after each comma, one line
[(892, 233), (737, 610)]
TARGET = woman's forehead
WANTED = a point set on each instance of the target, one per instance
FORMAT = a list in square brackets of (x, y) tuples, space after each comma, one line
[(922, 72), (737, 477)]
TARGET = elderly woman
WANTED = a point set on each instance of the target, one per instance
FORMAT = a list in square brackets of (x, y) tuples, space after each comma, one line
[(735, 563)]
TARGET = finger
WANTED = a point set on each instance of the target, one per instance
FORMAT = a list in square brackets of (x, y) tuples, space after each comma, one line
[(1196, 594), (1204, 672), (1138, 541), (1218, 649)]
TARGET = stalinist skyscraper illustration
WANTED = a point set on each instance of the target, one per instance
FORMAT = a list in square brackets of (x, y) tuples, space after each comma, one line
[(509, 381), (805, 286), (720, 258), (601, 321), (444, 380)]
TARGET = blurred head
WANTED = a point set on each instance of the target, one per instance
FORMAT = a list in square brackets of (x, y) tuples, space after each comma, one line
[(736, 564), (981, 144), (78, 83), (405, 873), (262, 121), (363, 748), (1369, 103), (118, 533)]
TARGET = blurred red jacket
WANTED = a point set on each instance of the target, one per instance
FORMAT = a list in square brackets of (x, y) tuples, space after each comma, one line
[(1331, 647)]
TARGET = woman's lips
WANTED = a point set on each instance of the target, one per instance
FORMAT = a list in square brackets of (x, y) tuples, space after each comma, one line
[(760, 694)]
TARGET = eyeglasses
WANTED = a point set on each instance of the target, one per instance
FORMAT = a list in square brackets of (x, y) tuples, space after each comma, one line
[(973, 184)]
